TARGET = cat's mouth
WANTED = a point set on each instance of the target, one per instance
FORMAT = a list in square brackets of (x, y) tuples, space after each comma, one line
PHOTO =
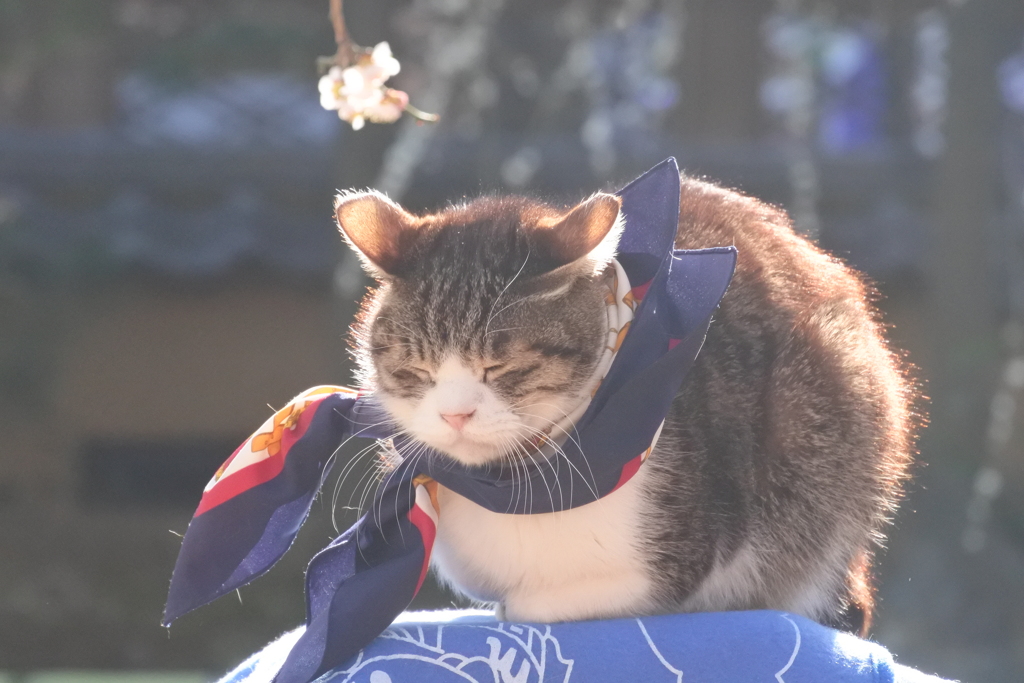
[(499, 464), (494, 448), (476, 452)]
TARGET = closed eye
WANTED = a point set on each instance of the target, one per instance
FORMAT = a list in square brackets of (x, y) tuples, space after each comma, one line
[(492, 371), (410, 374), (518, 374)]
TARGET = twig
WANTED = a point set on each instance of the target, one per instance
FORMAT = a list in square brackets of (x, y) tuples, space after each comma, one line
[(421, 115), (338, 21), (348, 53)]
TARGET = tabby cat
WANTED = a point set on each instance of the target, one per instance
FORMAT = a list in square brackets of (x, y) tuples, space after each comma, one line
[(779, 463)]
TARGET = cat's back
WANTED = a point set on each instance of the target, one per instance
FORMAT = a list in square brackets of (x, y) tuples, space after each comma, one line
[(793, 432), (785, 267), (788, 295)]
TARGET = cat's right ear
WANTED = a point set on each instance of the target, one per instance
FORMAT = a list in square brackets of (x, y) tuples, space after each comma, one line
[(379, 230)]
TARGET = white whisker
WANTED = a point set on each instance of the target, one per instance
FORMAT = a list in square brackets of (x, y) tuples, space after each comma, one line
[(492, 314)]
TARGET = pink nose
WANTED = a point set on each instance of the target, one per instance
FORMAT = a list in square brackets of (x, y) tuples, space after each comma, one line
[(459, 420)]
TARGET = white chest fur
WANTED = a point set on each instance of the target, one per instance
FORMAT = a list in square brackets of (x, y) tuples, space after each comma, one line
[(558, 566)]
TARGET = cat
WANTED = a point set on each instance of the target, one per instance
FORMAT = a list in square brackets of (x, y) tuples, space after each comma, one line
[(780, 461)]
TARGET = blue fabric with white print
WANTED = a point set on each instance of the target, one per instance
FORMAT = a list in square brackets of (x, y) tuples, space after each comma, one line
[(722, 647)]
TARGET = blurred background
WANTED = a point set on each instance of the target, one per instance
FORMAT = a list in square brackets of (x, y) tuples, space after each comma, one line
[(169, 267)]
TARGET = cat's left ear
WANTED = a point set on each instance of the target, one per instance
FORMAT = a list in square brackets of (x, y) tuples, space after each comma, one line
[(379, 230), (587, 236)]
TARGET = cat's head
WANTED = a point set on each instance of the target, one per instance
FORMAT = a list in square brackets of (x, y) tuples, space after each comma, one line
[(490, 317)]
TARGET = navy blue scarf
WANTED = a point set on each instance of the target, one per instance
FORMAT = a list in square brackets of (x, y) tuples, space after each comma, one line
[(253, 508)]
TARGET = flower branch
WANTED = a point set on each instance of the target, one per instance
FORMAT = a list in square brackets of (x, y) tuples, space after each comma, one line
[(354, 83)]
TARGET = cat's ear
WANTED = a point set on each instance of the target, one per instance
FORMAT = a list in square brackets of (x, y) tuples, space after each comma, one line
[(586, 236), (379, 230)]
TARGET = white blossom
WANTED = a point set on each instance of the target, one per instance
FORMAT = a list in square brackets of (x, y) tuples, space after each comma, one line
[(358, 93)]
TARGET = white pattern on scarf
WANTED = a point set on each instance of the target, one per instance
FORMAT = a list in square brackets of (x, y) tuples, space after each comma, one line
[(620, 309)]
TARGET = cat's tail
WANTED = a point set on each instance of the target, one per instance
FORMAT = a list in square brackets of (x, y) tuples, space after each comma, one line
[(859, 603)]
